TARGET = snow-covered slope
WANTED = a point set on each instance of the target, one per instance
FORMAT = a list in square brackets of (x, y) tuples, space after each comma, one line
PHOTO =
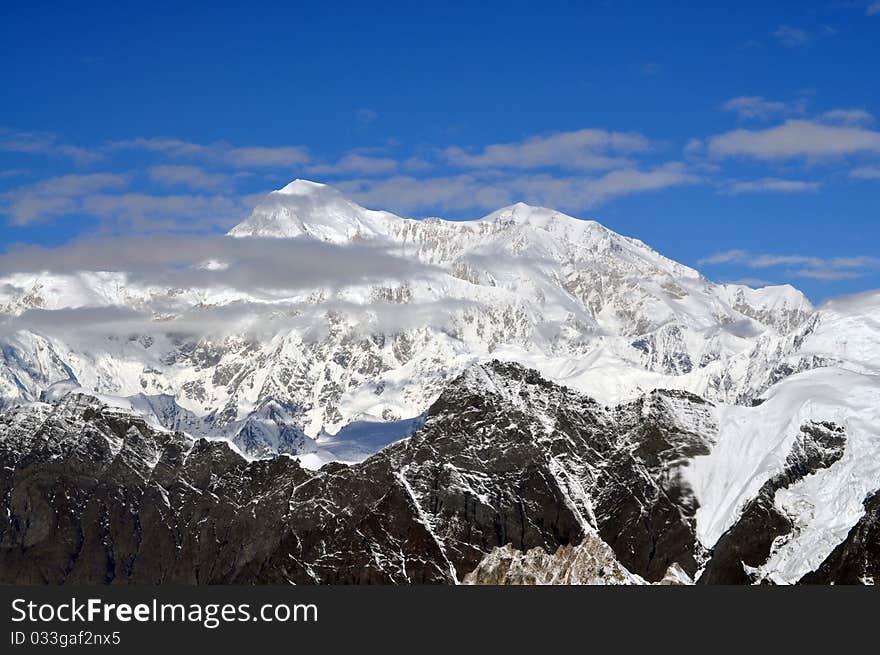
[(598, 311), (754, 444)]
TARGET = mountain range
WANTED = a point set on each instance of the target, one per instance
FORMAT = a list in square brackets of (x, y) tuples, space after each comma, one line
[(335, 394)]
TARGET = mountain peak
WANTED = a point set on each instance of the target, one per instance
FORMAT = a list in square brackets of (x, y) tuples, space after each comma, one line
[(306, 208), (300, 187), (544, 218)]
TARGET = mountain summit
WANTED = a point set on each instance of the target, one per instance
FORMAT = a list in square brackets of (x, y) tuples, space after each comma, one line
[(305, 208)]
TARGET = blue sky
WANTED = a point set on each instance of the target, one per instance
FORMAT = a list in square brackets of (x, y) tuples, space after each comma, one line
[(742, 140)]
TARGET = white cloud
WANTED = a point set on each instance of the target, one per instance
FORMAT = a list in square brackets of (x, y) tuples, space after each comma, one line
[(189, 176), (768, 261), (847, 116), (817, 268), (629, 181), (356, 164), (55, 196), (266, 270), (416, 164), (248, 264), (793, 139), (98, 196), (828, 275), (873, 9), (587, 149), (792, 37), (220, 153), (266, 156), (759, 107), (492, 190), (771, 185), (724, 257), (79, 185), (694, 148), (33, 143), (866, 173), (142, 212)]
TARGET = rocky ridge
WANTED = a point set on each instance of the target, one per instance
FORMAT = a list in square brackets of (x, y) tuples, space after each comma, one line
[(506, 462)]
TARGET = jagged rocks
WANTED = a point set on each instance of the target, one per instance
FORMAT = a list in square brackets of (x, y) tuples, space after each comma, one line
[(504, 464), (590, 562), (504, 457), (645, 509)]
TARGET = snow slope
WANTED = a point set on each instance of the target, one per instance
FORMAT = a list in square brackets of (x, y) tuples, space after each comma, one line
[(564, 295)]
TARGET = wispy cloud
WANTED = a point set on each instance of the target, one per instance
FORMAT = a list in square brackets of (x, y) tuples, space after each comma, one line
[(632, 180), (105, 198), (828, 275), (866, 173), (758, 107), (143, 212), (724, 257), (263, 275), (817, 268), (795, 139), (365, 116), (873, 9), (37, 143), (847, 117), (56, 196), (493, 189), (355, 164), (219, 153), (12, 172), (189, 176), (770, 185), (792, 37), (587, 149), (249, 264)]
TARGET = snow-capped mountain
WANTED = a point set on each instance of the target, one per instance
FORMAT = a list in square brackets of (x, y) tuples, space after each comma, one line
[(600, 312), (727, 433)]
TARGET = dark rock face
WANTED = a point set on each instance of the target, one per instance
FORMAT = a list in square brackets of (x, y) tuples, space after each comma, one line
[(644, 509), (566, 465), (102, 498), (96, 495), (857, 559), (750, 540), (93, 494)]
